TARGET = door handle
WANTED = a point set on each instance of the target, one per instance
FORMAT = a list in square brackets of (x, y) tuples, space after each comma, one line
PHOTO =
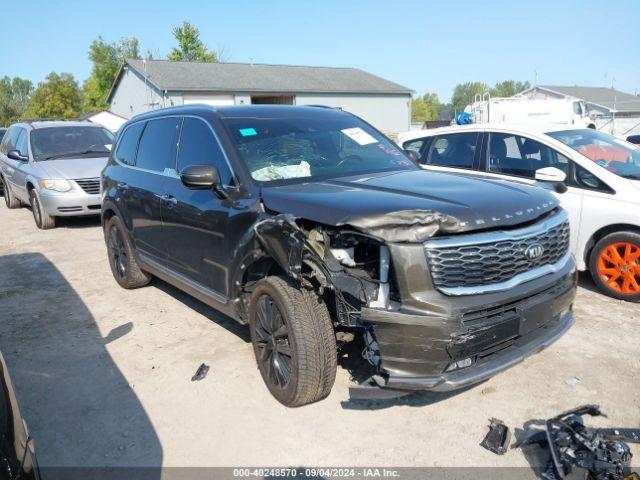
[(170, 200)]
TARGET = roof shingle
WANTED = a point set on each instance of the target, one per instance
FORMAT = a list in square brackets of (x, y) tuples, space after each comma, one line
[(244, 77), (607, 97)]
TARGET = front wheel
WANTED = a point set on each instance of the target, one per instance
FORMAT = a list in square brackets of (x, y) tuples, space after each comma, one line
[(42, 219), (294, 342), (615, 265)]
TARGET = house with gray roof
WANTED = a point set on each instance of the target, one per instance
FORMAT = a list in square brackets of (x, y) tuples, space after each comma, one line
[(612, 110), (143, 85)]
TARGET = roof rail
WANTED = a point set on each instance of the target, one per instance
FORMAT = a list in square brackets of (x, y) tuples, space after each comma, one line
[(32, 120), (324, 106)]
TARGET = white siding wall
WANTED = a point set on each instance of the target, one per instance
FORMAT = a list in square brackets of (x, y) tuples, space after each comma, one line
[(208, 98), (133, 97), (537, 94), (388, 113)]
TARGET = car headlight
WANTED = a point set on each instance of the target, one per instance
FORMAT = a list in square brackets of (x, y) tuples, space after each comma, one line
[(57, 185)]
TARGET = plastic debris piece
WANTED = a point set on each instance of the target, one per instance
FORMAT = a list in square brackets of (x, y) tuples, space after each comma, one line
[(572, 382), (497, 438), (200, 373)]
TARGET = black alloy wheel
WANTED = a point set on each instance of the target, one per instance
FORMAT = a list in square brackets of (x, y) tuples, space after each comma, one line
[(272, 341), (118, 255)]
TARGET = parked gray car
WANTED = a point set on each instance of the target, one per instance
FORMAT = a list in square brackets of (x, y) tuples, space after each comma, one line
[(55, 167)]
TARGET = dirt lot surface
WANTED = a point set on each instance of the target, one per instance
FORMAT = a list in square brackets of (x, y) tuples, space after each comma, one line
[(104, 375)]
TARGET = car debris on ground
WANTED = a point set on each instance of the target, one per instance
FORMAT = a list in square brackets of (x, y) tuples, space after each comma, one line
[(200, 373), (601, 453), (497, 438)]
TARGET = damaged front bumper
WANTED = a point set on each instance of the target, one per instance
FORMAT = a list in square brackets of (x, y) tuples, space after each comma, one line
[(436, 342)]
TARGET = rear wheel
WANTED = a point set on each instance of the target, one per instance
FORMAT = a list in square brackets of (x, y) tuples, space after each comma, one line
[(42, 219), (9, 199), (294, 342), (124, 267), (615, 265)]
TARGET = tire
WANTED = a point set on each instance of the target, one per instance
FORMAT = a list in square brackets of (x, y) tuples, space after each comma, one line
[(9, 200), (124, 267), (614, 264), (298, 364), (42, 219)]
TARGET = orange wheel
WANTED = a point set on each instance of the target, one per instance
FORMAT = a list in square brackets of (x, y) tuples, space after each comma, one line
[(615, 265)]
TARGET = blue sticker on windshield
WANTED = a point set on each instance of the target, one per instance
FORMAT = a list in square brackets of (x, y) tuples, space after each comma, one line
[(602, 163), (247, 132)]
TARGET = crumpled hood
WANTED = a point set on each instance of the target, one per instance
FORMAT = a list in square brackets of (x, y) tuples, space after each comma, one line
[(71, 168), (411, 206)]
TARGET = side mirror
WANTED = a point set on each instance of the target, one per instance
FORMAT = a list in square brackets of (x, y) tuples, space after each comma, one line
[(554, 176), (16, 155), (200, 177), (413, 155), (634, 139)]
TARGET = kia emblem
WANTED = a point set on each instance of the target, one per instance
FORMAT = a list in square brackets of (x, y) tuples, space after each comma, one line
[(534, 251)]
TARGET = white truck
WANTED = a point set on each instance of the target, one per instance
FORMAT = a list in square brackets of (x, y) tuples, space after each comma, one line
[(522, 110)]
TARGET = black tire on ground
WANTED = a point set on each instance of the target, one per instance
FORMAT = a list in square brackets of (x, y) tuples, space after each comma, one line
[(11, 201), (614, 264), (294, 342), (124, 267), (43, 221)]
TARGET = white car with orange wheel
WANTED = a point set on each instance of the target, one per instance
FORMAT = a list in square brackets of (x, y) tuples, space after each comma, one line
[(595, 176)]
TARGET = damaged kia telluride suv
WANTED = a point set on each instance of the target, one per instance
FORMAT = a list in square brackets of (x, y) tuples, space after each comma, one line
[(308, 224)]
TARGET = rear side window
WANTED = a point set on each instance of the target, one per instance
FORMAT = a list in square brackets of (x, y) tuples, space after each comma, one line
[(22, 145), (10, 139), (198, 146), (157, 149), (456, 150), (126, 151)]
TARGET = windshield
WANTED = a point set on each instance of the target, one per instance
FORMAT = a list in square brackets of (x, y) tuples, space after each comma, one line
[(305, 148), (617, 156), (66, 142)]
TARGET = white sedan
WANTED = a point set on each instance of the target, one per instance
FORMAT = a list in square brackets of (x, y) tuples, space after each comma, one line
[(595, 176)]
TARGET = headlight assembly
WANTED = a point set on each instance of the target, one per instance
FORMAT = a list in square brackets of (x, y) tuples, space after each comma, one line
[(57, 185)]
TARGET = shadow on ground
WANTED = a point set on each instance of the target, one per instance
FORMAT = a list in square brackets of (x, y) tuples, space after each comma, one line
[(585, 281), (228, 323), (85, 221), (80, 408), (78, 222), (536, 456)]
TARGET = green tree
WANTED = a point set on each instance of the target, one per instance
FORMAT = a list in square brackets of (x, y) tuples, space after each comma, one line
[(14, 97), (106, 58), (190, 47), (58, 96), (465, 93), (425, 108), (509, 88)]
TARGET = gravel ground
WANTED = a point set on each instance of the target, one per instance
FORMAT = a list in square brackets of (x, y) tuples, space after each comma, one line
[(104, 375)]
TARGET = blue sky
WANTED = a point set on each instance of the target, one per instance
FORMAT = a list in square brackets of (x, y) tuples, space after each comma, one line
[(424, 45)]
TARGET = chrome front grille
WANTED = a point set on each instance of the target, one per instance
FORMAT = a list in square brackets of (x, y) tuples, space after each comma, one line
[(89, 185), (474, 263)]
